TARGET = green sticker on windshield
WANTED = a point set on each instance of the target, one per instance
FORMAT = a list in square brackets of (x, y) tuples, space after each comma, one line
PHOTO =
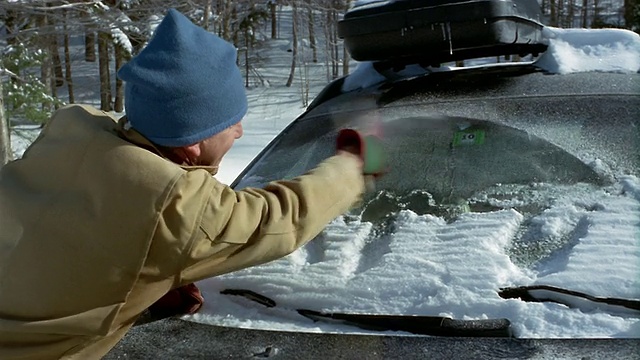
[(468, 137)]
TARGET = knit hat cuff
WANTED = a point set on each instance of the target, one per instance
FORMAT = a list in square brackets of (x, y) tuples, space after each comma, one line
[(204, 134)]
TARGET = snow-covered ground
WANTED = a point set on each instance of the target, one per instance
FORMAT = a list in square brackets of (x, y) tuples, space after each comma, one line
[(432, 267)]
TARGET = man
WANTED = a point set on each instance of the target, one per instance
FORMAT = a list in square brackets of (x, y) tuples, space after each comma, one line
[(101, 218)]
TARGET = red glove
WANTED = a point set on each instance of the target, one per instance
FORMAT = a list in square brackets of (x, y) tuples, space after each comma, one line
[(370, 148), (184, 300)]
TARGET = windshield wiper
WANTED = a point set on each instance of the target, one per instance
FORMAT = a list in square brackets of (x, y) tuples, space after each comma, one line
[(415, 324), (571, 298)]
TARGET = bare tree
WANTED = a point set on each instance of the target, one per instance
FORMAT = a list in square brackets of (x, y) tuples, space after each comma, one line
[(584, 13), (56, 62), (571, 13), (51, 68), (335, 47), (596, 12), (274, 19), (120, 59), (90, 46), (294, 57), (560, 12), (207, 14), (345, 61), (632, 15), (346, 56), (12, 28), (46, 74), (225, 9), (553, 13), (233, 21), (312, 35), (628, 12), (331, 40), (97, 21), (67, 60), (5, 139), (104, 39), (57, 78)]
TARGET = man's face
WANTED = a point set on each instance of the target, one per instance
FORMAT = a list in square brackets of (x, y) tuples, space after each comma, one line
[(213, 149)]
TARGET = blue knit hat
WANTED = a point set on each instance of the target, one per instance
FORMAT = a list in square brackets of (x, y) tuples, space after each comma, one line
[(184, 86)]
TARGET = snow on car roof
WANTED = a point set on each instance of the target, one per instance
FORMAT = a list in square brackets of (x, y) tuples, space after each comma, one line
[(569, 51)]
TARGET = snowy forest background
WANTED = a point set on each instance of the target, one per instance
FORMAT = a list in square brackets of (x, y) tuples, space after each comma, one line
[(55, 52)]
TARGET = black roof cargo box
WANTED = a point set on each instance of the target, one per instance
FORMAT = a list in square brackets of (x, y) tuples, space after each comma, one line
[(436, 31)]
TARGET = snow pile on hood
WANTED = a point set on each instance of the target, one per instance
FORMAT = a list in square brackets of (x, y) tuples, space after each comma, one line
[(581, 238)]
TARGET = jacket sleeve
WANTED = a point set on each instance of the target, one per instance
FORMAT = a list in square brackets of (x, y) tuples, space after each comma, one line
[(244, 228)]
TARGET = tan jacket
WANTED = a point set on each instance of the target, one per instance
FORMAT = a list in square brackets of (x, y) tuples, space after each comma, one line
[(95, 228)]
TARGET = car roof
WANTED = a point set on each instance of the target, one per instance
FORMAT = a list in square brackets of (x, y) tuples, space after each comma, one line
[(495, 81)]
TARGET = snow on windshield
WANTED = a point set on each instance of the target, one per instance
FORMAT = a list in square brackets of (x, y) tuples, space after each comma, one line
[(586, 240), (579, 237)]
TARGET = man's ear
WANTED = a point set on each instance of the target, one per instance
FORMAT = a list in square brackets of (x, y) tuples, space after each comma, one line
[(188, 155), (192, 151)]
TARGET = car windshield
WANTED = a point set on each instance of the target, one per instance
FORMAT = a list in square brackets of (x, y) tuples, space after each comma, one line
[(545, 139), (442, 164)]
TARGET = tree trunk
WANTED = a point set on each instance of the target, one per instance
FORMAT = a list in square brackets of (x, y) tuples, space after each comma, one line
[(560, 13), (90, 46), (246, 58), (52, 76), (105, 76), (571, 12), (234, 20), (54, 88), (596, 12), (334, 44), (345, 61), (5, 138), (330, 45), (224, 10), (553, 16), (118, 105), (46, 73), (294, 14), (274, 19), (585, 13), (10, 23), (57, 63), (312, 33), (629, 6), (67, 62), (327, 44), (207, 14)]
